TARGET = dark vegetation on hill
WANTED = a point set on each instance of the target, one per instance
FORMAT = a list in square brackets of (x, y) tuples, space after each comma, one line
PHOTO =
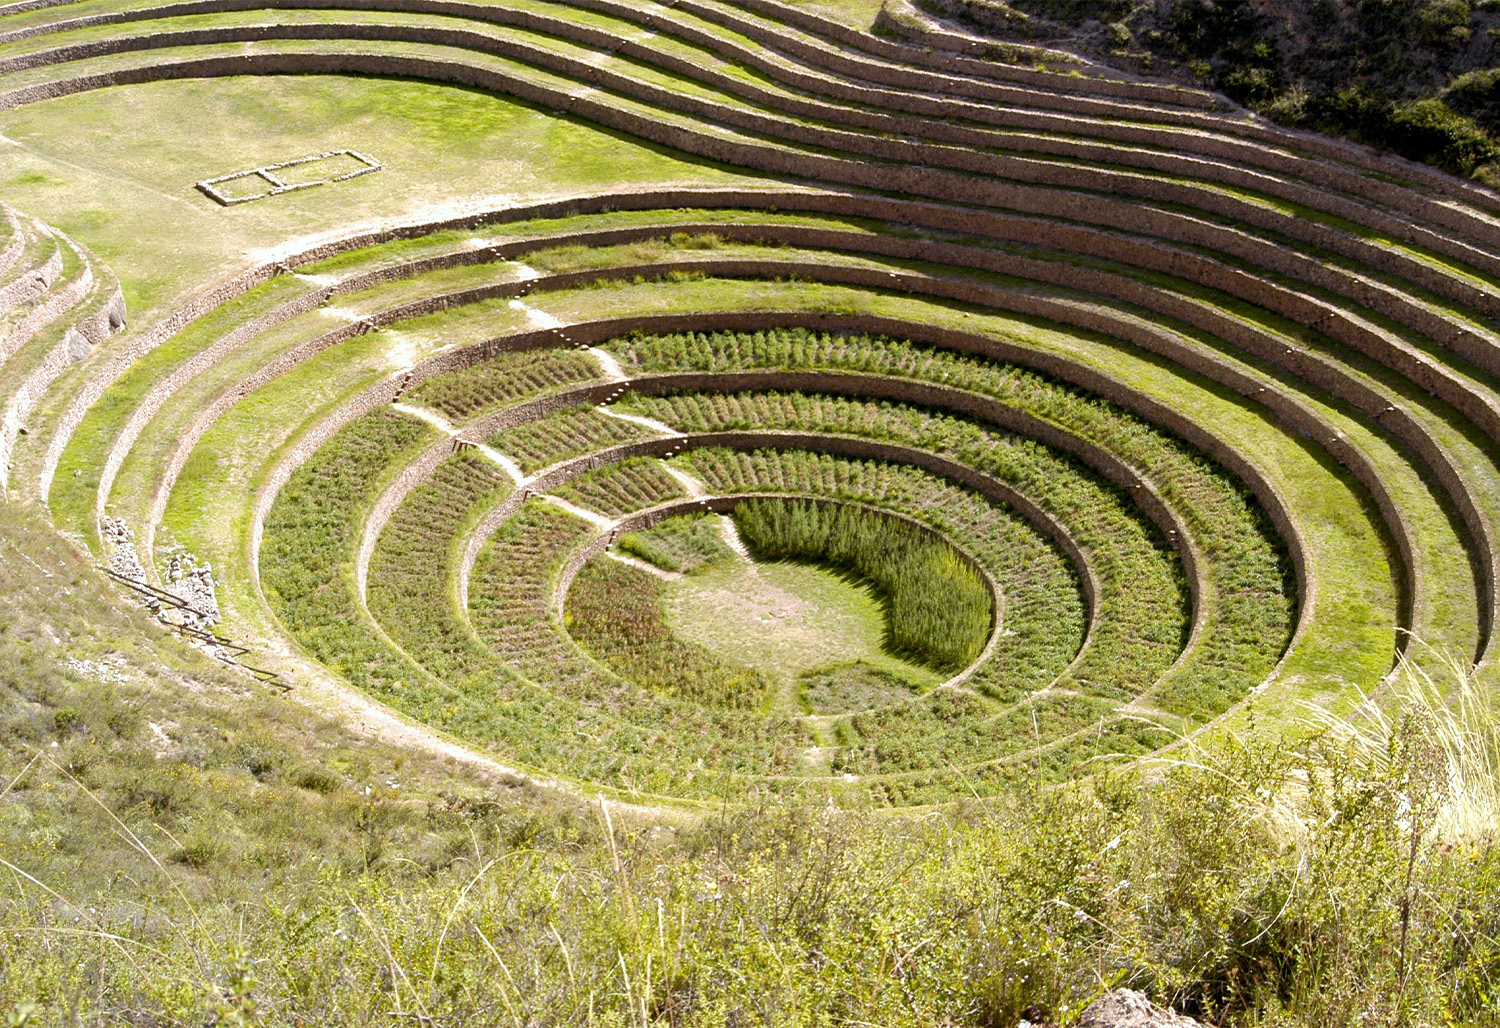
[(1420, 78)]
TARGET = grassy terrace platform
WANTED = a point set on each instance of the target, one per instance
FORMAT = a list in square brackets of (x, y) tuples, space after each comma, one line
[(629, 354), (1215, 407)]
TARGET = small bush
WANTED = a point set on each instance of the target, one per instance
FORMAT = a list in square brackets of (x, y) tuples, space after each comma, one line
[(258, 753), (67, 720), (166, 788), (200, 850), (1476, 95), (316, 778)]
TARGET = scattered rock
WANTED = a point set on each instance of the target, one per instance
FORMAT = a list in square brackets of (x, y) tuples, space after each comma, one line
[(185, 579), (119, 540), (99, 671), (193, 584), (78, 345)]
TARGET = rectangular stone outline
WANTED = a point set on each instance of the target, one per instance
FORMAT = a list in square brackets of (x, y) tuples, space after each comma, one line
[(268, 173)]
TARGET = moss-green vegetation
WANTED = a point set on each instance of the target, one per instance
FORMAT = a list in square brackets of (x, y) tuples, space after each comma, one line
[(300, 867), (510, 601), (615, 612), (785, 618), (410, 590), (307, 563), (462, 395), (841, 688), (938, 606), (657, 741), (1044, 616), (618, 489), (1249, 573), (1146, 590), (681, 544), (1285, 868), (953, 734), (583, 429), (309, 543)]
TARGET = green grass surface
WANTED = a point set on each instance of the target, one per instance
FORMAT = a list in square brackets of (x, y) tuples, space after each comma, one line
[(784, 618), (685, 543), (694, 292), (410, 590), (616, 612), (231, 457), (618, 489), (437, 145), (309, 876), (1144, 612), (696, 289), (938, 608), (857, 685), (310, 541), (298, 863), (570, 433)]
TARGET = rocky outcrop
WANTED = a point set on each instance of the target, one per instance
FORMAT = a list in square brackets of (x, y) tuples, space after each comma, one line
[(193, 584), (1120, 1008), (1126, 1008)]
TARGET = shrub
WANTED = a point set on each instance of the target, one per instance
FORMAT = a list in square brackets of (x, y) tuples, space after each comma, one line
[(201, 849), (1422, 130), (1476, 95), (316, 778)]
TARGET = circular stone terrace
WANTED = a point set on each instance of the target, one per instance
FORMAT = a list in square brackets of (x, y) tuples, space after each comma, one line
[(621, 393)]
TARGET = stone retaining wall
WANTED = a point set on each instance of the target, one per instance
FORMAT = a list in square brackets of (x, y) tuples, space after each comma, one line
[(75, 342), (1141, 491), (1322, 171), (56, 303), (14, 246), (991, 488), (1106, 80), (203, 360), (596, 332), (1291, 413), (641, 200), (32, 282), (1023, 195), (1031, 305)]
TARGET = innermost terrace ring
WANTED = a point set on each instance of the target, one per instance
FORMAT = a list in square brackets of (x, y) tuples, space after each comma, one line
[(645, 519)]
